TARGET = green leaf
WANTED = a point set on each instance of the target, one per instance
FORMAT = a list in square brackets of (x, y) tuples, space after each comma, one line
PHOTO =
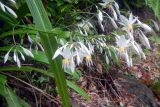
[(78, 89), (155, 6), (61, 33), (11, 98), (155, 39), (40, 56), (17, 32), (50, 45)]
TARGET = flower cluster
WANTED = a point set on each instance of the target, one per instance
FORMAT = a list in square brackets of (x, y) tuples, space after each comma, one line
[(126, 45), (35, 42), (74, 53), (18, 51), (80, 48)]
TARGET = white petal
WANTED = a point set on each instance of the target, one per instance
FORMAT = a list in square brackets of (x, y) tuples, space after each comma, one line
[(107, 59), (27, 52), (40, 46), (58, 52), (135, 48), (116, 5), (127, 59), (11, 11), (144, 40), (145, 26), (124, 20), (114, 14), (13, 1), (30, 40), (100, 16), (84, 47), (72, 66), (22, 56), (6, 56), (113, 23), (101, 26), (130, 17), (18, 62), (2, 7), (15, 56), (140, 50), (62, 42)]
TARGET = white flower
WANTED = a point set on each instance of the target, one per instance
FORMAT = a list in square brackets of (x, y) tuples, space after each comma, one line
[(141, 53), (127, 59), (15, 54), (144, 26), (7, 55), (84, 27), (127, 23), (113, 6), (135, 48), (27, 52), (68, 61), (100, 19), (122, 43), (16, 59), (106, 58), (84, 53), (144, 39), (35, 42)]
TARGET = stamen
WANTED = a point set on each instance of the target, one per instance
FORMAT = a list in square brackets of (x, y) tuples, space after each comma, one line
[(122, 49), (88, 58), (110, 5), (66, 61), (130, 27)]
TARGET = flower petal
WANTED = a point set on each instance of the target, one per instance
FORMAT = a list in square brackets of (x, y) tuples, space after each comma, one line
[(58, 52), (27, 52), (7, 55), (18, 62), (144, 40), (22, 56), (15, 56), (11, 11)]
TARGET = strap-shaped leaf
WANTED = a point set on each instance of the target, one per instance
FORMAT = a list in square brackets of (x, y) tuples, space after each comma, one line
[(50, 45)]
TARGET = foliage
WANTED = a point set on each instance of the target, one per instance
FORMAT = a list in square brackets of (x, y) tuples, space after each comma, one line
[(10, 96), (76, 31), (155, 6)]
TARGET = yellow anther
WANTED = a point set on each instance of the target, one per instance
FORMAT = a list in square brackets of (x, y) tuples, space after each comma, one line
[(66, 61), (88, 58), (110, 5), (122, 49), (130, 26)]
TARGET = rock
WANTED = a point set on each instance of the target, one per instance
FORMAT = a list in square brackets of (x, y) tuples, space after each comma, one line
[(132, 92)]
